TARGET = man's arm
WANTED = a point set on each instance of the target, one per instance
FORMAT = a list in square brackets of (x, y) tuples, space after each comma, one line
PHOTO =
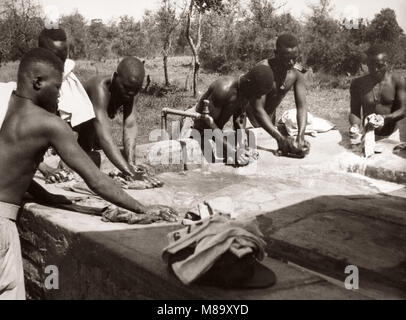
[(264, 120), (355, 114), (130, 131), (205, 96), (300, 99), (218, 135), (240, 123), (104, 134), (62, 139), (400, 100)]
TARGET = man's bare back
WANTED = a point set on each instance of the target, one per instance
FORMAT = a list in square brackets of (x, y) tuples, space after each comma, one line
[(228, 98), (224, 102)]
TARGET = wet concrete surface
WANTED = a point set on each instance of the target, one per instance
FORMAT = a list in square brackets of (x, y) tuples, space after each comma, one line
[(310, 212)]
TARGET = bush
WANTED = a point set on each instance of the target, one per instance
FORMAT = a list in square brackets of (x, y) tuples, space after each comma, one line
[(322, 80)]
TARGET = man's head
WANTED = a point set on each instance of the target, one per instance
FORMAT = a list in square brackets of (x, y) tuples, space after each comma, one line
[(377, 60), (54, 40), (287, 50), (128, 78), (257, 82), (40, 77)]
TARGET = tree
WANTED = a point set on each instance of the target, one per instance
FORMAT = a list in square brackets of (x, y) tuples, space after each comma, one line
[(330, 47), (75, 26), (385, 29), (167, 22), (150, 34), (20, 25), (199, 7), (220, 38), (98, 42), (128, 40)]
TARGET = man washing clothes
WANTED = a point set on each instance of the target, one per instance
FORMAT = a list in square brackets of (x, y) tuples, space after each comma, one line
[(89, 108), (378, 99), (288, 74), (108, 95), (228, 97), (29, 128)]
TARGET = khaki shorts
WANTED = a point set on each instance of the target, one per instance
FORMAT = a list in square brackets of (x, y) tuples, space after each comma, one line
[(11, 264)]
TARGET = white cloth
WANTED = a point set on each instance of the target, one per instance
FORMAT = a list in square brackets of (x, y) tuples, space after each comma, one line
[(74, 103), (6, 89), (219, 205), (314, 124)]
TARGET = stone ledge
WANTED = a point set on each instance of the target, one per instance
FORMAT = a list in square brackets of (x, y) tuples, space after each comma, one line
[(117, 261), (102, 260)]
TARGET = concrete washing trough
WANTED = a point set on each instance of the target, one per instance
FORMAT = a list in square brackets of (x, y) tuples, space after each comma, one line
[(318, 215)]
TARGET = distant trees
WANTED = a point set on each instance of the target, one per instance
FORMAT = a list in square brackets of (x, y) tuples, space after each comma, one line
[(333, 48), (20, 24), (167, 22), (221, 35), (384, 28), (75, 26), (198, 8)]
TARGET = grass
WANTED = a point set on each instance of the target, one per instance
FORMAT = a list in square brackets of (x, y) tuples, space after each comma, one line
[(323, 99)]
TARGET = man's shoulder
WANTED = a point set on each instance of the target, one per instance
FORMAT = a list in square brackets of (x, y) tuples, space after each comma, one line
[(264, 62), (298, 75), (223, 80), (38, 121), (49, 122), (96, 83), (359, 82), (223, 88), (398, 79), (97, 88)]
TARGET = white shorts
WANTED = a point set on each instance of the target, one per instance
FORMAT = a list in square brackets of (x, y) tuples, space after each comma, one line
[(11, 264)]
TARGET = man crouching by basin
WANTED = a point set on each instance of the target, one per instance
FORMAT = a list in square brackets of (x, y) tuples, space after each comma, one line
[(226, 98)]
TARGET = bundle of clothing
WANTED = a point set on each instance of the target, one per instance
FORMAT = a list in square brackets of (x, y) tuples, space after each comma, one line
[(116, 214), (146, 179), (95, 206), (219, 251), (315, 125)]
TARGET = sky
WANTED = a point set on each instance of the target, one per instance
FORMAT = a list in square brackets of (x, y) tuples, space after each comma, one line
[(106, 10)]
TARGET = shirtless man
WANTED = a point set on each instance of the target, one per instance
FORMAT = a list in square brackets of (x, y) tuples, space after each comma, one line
[(380, 92), (108, 94), (288, 74), (30, 127), (228, 98)]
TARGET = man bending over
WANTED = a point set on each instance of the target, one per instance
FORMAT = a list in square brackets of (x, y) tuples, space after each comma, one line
[(287, 74), (228, 97), (108, 94), (30, 127)]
